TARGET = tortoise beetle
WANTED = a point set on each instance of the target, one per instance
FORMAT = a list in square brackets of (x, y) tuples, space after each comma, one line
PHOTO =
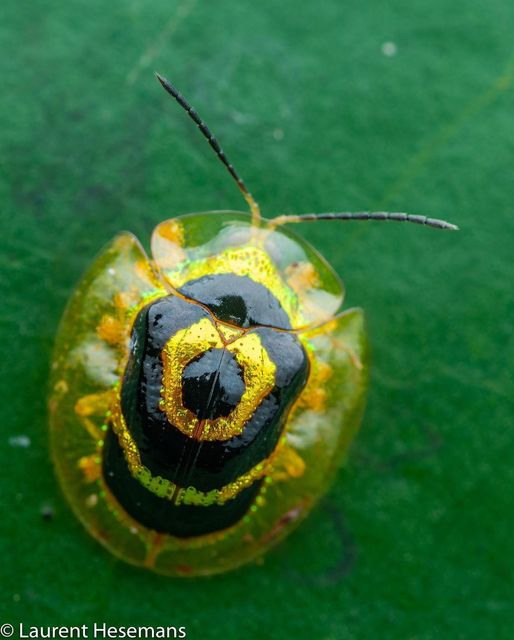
[(201, 400)]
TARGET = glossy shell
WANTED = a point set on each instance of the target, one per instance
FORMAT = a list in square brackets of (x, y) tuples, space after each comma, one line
[(92, 354)]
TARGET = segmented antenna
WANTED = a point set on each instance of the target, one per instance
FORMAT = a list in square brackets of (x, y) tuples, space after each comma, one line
[(254, 207), (364, 215)]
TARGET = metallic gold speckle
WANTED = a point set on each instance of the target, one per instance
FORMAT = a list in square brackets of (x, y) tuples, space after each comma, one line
[(258, 373)]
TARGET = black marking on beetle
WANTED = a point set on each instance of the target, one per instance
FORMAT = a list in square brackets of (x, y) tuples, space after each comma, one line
[(160, 514), (237, 300), (183, 460), (162, 446), (217, 373)]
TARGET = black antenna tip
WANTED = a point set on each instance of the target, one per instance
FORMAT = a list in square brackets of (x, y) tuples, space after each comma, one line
[(166, 84), (161, 79)]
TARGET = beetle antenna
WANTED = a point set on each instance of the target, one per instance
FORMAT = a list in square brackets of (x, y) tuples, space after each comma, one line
[(254, 207), (364, 215)]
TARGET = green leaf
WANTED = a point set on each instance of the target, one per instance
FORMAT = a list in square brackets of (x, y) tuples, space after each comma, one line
[(414, 540)]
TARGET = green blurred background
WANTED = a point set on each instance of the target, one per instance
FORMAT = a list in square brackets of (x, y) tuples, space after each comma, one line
[(321, 106)]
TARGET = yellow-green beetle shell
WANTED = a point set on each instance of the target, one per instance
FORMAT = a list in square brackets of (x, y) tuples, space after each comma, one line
[(92, 349)]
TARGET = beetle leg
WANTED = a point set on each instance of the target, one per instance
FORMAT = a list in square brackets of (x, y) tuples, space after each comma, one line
[(112, 330), (153, 549), (301, 276), (314, 395), (287, 464), (112, 327), (94, 405), (340, 344), (90, 467)]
